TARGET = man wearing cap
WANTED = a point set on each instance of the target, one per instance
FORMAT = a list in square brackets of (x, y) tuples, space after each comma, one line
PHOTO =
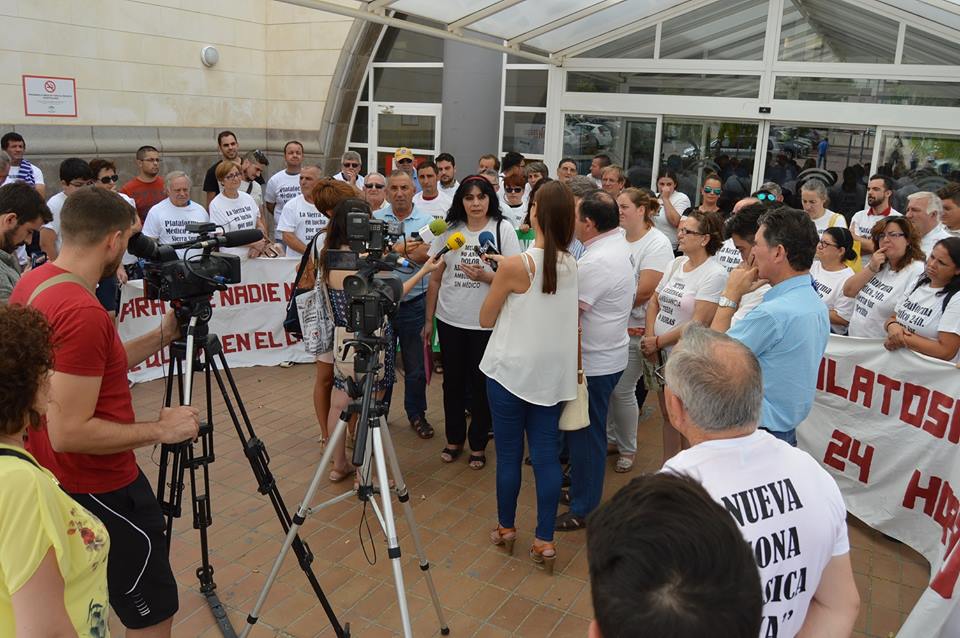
[(404, 161)]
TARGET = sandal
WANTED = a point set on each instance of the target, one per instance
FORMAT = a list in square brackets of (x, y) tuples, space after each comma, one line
[(570, 522), (422, 427), (624, 464), (336, 475), (504, 537), (544, 554), (450, 454), (477, 461)]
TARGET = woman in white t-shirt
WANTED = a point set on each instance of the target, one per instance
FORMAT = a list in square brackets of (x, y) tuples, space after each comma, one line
[(673, 203), (689, 291), (651, 254), (928, 319), (887, 278), (829, 273), (234, 210), (454, 297), (531, 365), (813, 196)]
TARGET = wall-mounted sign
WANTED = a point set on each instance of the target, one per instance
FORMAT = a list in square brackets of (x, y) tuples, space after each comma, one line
[(49, 97)]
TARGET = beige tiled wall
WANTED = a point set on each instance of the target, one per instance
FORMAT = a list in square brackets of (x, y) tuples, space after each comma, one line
[(137, 62)]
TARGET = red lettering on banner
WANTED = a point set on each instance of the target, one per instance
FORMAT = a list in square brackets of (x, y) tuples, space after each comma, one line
[(265, 341), (928, 494), (942, 505), (889, 385), (843, 448), (226, 297), (291, 340), (820, 372), (862, 384), (936, 423), (228, 343), (910, 392), (142, 307), (287, 291), (946, 578), (954, 436), (240, 295), (832, 386), (946, 512)]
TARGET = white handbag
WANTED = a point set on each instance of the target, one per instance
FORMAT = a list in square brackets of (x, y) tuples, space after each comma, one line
[(576, 412)]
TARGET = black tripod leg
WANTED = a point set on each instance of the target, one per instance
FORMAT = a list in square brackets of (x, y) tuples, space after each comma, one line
[(256, 453), (172, 460)]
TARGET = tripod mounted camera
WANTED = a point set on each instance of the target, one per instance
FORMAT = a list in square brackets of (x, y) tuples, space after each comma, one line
[(187, 284)]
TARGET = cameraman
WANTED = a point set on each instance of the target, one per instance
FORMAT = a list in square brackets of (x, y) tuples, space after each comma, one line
[(407, 324), (91, 430), (332, 283)]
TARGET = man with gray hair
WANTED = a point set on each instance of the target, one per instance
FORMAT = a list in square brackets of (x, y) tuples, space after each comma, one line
[(167, 220), (924, 210), (788, 508), (375, 191), (350, 165)]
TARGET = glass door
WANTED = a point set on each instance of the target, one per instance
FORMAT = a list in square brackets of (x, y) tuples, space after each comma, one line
[(414, 126)]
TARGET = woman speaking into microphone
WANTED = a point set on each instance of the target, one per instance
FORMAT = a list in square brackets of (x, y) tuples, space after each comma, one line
[(455, 295)]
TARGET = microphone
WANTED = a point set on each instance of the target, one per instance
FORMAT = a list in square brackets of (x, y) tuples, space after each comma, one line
[(396, 260), (456, 241), (488, 247), (432, 230), (232, 239)]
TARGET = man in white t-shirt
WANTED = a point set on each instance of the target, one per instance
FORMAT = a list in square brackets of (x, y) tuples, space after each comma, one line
[(950, 198), (300, 220), (447, 172), (924, 210), (285, 184), (350, 165), (75, 173), (879, 190), (788, 508), (20, 169), (430, 199), (607, 285), (167, 221)]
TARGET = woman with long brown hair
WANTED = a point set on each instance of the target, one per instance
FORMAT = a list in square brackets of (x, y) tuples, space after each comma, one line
[(529, 373)]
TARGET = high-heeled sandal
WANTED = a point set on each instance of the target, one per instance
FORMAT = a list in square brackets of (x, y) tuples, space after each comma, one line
[(544, 555), (504, 537)]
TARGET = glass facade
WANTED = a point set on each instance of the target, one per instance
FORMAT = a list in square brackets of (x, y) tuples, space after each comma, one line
[(738, 86), (918, 162), (836, 31), (629, 142), (730, 30), (868, 91)]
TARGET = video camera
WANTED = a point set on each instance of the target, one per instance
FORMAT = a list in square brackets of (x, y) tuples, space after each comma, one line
[(170, 278), (374, 290)]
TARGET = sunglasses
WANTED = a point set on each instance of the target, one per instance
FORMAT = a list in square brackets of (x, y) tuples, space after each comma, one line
[(405, 161), (109, 178), (351, 165), (376, 186), (715, 191), (513, 189), (766, 197)]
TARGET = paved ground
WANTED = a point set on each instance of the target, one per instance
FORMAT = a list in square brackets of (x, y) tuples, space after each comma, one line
[(483, 592)]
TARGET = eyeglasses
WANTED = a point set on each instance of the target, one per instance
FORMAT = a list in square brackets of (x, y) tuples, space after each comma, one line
[(683, 231), (232, 176), (715, 191), (513, 189), (881, 236), (109, 178), (377, 186), (405, 161), (825, 244), (766, 197), (351, 164)]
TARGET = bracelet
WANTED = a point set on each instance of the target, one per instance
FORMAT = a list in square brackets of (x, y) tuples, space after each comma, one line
[(892, 322)]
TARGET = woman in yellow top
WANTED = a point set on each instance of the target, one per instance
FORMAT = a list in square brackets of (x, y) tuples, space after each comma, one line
[(53, 552)]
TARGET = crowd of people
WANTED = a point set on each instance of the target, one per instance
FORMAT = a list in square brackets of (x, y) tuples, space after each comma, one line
[(557, 305)]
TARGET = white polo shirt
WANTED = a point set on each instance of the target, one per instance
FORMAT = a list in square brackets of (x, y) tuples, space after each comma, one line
[(606, 282)]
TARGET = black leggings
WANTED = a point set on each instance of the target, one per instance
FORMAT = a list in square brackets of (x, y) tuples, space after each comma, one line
[(461, 350)]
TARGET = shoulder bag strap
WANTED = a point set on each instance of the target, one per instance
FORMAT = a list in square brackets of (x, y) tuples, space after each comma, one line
[(62, 278), (579, 353), (499, 221)]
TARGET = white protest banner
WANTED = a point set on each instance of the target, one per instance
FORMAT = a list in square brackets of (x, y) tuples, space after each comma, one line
[(248, 318), (886, 425)]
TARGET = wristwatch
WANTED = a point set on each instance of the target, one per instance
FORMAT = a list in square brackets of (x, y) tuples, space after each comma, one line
[(727, 303)]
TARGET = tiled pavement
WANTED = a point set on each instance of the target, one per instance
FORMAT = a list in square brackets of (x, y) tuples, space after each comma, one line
[(483, 592)]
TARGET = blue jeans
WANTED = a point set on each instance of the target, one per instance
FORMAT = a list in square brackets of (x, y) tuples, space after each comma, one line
[(588, 447), (512, 418), (407, 328), (789, 436)]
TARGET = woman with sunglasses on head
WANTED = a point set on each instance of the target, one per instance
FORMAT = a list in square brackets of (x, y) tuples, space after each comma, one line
[(829, 273), (928, 319), (528, 375), (673, 204), (689, 291), (455, 295), (234, 210), (890, 274), (813, 197), (331, 285)]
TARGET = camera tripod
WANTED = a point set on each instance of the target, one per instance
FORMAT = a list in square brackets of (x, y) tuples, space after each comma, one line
[(372, 421), (202, 350)]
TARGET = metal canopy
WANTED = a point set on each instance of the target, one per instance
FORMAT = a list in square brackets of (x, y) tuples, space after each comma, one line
[(545, 31)]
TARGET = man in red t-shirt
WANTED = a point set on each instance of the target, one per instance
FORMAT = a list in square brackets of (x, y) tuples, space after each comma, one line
[(147, 188), (91, 430)]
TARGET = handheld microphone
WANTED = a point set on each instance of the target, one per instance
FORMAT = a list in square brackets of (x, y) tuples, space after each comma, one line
[(456, 241), (488, 247), (433, 230)]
